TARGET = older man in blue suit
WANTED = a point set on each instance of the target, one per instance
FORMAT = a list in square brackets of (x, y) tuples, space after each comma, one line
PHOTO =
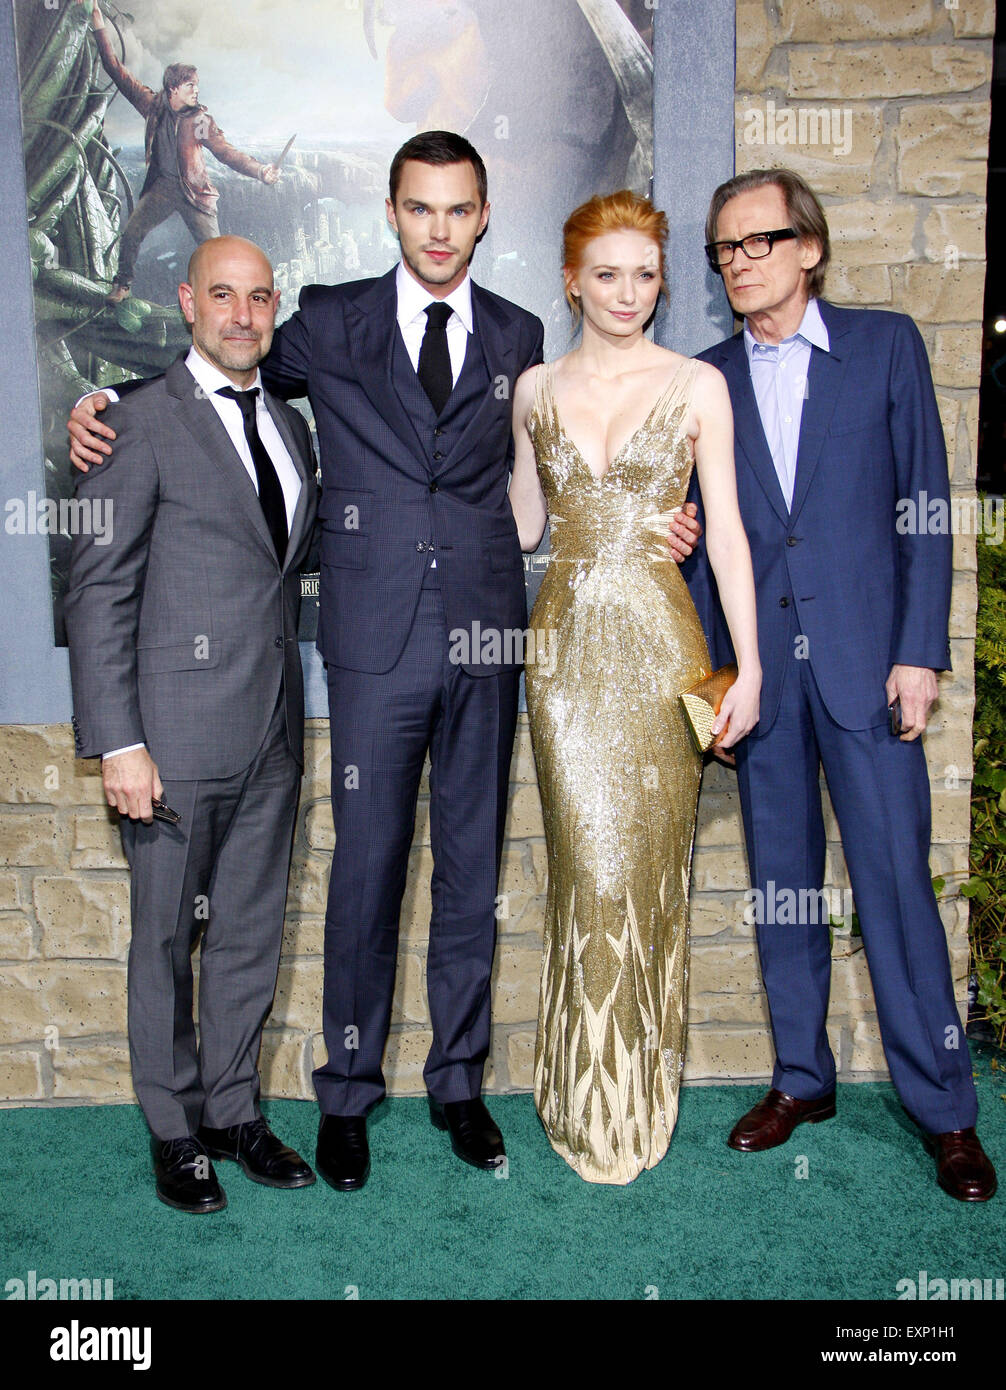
[(836, 423)]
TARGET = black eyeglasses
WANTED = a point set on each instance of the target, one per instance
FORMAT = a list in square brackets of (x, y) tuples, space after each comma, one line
[(755, 247)]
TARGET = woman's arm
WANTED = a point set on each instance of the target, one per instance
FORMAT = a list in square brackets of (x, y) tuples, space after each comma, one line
[(727, 547), (526, 497)]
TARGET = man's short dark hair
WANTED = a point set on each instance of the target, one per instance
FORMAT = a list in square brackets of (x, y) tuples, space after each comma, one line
[(177, 74), (439, 147), (805, 213)]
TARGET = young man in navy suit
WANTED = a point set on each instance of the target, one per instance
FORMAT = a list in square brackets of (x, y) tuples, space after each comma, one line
[(836, 423), (411, 377)]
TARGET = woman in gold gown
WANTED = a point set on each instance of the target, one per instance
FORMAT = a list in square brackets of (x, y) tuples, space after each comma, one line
[(605, 440)]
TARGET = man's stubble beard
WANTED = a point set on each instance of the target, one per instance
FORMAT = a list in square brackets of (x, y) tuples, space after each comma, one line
[(232, 361)]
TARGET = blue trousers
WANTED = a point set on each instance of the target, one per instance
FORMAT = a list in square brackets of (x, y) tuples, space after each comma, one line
[(381, 728), (879, 788)]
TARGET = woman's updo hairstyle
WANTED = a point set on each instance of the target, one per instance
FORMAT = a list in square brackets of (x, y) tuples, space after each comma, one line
[(623, 211)]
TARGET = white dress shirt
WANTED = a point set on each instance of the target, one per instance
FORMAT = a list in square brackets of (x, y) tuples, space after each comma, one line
[(209, 379), (413, 301)]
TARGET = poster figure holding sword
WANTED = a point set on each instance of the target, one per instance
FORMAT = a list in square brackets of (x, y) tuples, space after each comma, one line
[(177, 129)]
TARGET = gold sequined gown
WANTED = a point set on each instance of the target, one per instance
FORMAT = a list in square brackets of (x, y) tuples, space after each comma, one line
[(619, 778)]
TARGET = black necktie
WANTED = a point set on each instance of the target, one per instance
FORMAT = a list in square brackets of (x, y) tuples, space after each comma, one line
[(270, 492), (434, 368)]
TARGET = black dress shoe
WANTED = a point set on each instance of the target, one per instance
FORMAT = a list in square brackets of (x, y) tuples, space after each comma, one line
[(474, 1135), (185, 1176), (343, 1154), (264, 1158)]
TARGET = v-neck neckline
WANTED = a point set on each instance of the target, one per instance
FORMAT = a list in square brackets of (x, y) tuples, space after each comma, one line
[(600, 478)]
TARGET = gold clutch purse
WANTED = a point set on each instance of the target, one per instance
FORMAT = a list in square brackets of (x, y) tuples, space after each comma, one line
[(701, 703)]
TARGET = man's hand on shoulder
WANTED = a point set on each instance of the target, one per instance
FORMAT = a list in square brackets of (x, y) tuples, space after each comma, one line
[(87, 432), (916, 688), (130, 781)]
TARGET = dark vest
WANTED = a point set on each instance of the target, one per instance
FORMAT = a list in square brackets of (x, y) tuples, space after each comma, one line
[(439, 434)]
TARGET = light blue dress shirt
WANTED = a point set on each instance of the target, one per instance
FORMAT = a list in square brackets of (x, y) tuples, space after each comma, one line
[(779, 377)]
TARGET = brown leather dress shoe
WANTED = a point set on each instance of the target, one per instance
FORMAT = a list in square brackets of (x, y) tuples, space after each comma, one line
[(774, 1119), (962, 1166)]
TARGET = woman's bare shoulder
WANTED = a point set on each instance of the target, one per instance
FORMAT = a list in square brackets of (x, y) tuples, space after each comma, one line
[(524, 391)]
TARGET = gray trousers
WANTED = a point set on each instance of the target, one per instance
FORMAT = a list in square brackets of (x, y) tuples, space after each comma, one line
[(164, 197), (221, 871)]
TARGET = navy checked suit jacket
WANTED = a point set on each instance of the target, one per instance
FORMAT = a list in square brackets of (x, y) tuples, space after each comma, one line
[(384, 493)]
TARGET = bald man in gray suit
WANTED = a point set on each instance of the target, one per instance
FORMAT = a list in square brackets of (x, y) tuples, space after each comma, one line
[(182, 627)]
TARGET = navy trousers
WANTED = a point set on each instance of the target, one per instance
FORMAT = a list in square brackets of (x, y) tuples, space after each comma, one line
[(879, 788), (381, 728)]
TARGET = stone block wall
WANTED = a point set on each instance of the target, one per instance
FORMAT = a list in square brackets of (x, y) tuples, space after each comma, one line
[(895, 103)]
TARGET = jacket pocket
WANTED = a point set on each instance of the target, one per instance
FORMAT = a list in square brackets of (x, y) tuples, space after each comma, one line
[(346, 509), (198, 654)]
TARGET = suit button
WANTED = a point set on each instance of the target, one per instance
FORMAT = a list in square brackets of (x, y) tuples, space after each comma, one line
[(438, 455), (438, 432), (434, 487), (278, 642), (420, 546), (784, 603), (791, 540)]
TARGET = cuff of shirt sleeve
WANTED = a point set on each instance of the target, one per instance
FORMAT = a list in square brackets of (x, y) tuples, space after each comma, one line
[(109, 391), (114, 753)]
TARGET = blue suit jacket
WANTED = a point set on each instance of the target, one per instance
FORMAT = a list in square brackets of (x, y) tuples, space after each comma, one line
[(379, 470), (869, 589)]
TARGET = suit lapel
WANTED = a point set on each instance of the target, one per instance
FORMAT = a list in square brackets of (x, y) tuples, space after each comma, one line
[(749, 435), (824, 384), (307, 481), (371, 325), (203, 423), (499, 345)]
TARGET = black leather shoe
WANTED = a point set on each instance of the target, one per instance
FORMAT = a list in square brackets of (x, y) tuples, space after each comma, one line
[(185, 1176), (264, 1158), (474, 1135), (343, 1154)]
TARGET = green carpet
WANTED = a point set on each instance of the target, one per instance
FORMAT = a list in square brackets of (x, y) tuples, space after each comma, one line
[(77, 1199)]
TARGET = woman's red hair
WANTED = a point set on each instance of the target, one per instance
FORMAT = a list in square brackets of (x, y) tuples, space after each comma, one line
[(623, 211)]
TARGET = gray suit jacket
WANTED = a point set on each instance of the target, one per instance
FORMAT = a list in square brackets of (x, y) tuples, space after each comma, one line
[(183, 626)]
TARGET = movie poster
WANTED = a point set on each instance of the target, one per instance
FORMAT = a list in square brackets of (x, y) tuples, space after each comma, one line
[(283, 122)]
